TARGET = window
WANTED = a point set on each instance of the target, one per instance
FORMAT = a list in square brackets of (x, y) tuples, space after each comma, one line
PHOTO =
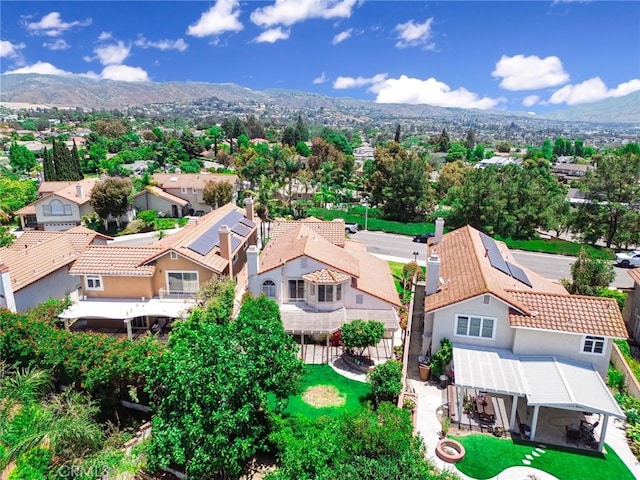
[(594, 345), (194, 191), (325, 293), (338, 292), (174, 256), (303, 262), (269, 288), (93, 282), (182, 282), (486, 300), (296, 290), (313, 290), (359, 299), (479, 327), (183, 190), (55, 208)]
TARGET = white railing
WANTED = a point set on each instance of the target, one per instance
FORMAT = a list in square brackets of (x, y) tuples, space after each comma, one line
[(165, 294)]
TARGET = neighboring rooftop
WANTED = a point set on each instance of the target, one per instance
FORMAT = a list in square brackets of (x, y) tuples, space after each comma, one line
[(332, 231), (190, 180)]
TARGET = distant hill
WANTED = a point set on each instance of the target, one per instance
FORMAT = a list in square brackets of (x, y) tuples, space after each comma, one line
[(622, 109), (77, 91)]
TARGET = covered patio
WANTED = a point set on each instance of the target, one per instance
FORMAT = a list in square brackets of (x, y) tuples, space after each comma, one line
[(553, 397), (123, 316), (313, 329)]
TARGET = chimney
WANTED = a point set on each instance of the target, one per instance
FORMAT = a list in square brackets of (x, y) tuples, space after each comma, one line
[(225, 246), (433, 273), (439, 231), (248, 202), (79, 190), (253, 267)]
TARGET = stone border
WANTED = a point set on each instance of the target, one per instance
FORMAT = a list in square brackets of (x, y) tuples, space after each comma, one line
[(449, 457)]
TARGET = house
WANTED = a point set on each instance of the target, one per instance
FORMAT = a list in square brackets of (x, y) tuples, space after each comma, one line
[(59, 209), (154, 198), (190, 186), (516, 334), (566, 171), (321, 280), (498, 161), (126, 288), (36, 266), (632, 307)]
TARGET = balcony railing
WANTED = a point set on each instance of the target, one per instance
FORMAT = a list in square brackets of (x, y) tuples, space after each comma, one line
[(166, 294)]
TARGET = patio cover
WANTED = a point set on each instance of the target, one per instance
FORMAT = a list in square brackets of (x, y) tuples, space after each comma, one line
[(120, 309), (544, 380), (297, 320)]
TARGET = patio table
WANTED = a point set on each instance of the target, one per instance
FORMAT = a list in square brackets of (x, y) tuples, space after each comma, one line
[(484, 405)]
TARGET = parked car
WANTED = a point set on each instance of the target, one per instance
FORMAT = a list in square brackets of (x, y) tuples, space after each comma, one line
[(631, 259), (423, 237), (350, 227)]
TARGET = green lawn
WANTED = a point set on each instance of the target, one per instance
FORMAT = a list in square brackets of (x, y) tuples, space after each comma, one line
[(487, 456), (355, 393)]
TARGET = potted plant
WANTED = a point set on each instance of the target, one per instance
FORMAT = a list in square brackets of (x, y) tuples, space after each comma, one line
[(445, 423)]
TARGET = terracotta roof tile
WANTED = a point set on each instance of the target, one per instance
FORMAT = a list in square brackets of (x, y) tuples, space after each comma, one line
[(70, 192), (570, 313), (27, 210), (50, 187), (190, 180), (332, 231), (79, 236), (635, 274), (115, 261), (325, 276)]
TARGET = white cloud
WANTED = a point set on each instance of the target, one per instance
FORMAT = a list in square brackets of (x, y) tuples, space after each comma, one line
[(431, 92), (530, 100), (530, 73), (179, 44), (342, 36), (104, 36), (52, 25), (221, 18), (124, 73), (112, 54), (592, 90), (290, 12), (412, 34), (272, 35), (321, 79), (10, 50), (43, 68), (351, 82), (58, 44)]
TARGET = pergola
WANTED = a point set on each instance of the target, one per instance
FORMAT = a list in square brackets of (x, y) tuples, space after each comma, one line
[(544, 381)]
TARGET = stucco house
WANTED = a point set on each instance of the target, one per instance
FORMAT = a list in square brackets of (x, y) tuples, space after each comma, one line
[(166, 204), (36, 266), (190, 187), (632, 307), (322, 280), (515, 334), (128, 287)]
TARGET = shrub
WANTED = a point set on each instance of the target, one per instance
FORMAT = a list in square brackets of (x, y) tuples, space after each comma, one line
[(615, 379), (362, 334), (386, 380), (442, 357)]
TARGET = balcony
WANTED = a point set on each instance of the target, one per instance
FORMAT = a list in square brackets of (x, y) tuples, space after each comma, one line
[(166, 294)]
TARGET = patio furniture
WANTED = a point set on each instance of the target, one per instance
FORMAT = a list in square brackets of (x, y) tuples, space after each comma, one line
[(484, 406), (573, 433)]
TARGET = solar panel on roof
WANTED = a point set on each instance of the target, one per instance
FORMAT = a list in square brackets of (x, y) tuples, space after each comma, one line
[(493, 252), (247, 222), (232, 218), (235, 243), (518, 274), (241, 229)]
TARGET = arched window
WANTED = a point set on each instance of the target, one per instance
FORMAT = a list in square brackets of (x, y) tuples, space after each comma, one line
[(56, 208), (269, 288)]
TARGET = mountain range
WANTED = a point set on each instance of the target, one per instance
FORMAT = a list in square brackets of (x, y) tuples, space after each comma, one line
[(77, 91)]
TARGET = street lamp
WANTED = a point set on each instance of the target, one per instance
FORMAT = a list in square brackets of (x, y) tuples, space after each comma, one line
[(415, 257), (366, 213)]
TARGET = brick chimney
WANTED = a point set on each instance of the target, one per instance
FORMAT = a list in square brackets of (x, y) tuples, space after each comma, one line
[(433, 273), (253, 268), (439, 231), (248, 202), (79, 190), (225, 246)]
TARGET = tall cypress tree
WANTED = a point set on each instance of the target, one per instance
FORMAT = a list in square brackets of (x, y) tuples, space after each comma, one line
[(48, 166), (75, 160)]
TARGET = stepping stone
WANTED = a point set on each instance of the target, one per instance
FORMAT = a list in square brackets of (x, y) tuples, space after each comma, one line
[(526, 462), (528, 457), (540, 450), (535, 454)]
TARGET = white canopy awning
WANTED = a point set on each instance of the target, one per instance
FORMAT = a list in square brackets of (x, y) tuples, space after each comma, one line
[(543, 380), (126, 308)]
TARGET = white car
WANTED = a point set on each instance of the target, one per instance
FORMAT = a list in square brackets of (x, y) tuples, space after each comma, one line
[(631, 259)]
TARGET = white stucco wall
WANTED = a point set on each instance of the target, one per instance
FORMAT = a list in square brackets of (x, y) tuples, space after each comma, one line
[(444, 323), (73, 217), (56, 285), (565, 345)]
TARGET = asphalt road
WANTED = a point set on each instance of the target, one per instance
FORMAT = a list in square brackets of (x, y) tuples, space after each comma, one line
[(550, 266)]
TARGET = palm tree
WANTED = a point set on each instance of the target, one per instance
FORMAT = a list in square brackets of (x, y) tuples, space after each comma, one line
[(290, 168)]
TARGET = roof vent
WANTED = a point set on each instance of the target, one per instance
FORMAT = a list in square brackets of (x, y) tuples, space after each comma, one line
[(173, 179)]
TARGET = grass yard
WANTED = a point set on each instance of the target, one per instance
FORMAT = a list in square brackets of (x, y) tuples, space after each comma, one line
[(321, 385), (487, 456)]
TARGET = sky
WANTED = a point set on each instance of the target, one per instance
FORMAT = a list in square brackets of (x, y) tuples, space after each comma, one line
[(506, 55)]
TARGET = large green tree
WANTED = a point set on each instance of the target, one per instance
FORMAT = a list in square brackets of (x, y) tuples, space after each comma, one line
[(21, 159), (216, 194), (111, 197), (589, 275)]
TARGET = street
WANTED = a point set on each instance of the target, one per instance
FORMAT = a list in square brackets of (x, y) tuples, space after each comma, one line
[(550, 266)]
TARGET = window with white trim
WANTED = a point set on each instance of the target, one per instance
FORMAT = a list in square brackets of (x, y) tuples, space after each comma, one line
[(593, 345), (182, 282), (93, 282), (269, 288), (183, 190), (338, 293), (472, 326), (55, 208), (194, 190), (359, 299), (325, 293), (174, 256)]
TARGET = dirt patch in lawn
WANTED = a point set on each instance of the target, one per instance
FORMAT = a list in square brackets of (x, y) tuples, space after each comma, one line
[(320, 396)]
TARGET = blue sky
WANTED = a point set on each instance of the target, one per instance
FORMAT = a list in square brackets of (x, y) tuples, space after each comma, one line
[(509, 55)]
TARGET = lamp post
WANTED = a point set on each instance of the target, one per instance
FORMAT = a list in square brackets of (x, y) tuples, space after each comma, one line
[(415, 257), (366, 213)]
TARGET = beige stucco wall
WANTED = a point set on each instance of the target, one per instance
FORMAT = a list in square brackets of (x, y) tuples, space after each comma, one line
[(121, 287), (565, 345), (165, 264), (148, 201)]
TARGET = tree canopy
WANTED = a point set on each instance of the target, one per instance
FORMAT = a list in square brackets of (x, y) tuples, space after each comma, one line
[(111, 197)]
